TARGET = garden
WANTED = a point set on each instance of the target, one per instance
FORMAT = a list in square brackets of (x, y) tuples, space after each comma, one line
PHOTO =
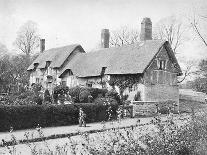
[(34, 109), (61, 108)]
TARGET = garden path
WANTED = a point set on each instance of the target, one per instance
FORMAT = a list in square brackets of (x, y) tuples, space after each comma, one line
[(74, 129)]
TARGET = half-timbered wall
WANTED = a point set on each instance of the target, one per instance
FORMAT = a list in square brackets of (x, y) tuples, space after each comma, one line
[(161, 79)]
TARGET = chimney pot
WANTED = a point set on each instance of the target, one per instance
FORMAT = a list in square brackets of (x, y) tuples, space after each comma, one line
[(105, 35), (146, 29), (42, 45)]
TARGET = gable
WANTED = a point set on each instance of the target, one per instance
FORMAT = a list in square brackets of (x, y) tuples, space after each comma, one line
[(56, 56), (171, 64)]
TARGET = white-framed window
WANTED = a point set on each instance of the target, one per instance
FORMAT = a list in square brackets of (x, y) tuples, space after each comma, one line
[(162, 64)]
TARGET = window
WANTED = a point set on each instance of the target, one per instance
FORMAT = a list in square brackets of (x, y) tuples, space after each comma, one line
[(37, 80), (89, 84), (162, 64), (63, 83), (161, 77), (154, 77)]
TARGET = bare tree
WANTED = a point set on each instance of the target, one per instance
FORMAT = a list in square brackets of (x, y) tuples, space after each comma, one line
[(27, 38), (170, 29), (124, 36), (188, 71), (196, 23)]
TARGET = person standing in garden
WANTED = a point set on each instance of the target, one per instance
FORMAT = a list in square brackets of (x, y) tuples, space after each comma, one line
[(82, 117)]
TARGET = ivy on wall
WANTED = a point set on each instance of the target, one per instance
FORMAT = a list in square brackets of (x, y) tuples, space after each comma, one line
[(124, 81)]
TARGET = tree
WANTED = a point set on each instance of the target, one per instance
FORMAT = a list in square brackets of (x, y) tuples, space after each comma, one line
[(200, 83), (188, 71), (198, 24), (172, 30), (27, 38), (3, 50), (123, 36)]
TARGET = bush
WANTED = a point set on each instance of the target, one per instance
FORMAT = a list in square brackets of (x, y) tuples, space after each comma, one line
[(164, 107), (83, 96), (114, 95), (77, 93), (28, 116), (47, 97), (61, 89), (74, 93), (137, 97)]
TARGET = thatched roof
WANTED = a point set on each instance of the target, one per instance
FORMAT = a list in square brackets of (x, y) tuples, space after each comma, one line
[(57, 56), (129, 59)]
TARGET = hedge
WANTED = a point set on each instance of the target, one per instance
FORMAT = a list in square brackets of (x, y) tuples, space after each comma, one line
[(28, 116)]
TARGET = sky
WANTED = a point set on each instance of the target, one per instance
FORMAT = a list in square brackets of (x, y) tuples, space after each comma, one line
[(64, 22)]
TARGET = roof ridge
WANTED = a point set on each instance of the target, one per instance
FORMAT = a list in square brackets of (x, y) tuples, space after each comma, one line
[(55, 48)]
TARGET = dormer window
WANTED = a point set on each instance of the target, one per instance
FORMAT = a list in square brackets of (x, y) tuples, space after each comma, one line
[(48, 63), (161, 64)]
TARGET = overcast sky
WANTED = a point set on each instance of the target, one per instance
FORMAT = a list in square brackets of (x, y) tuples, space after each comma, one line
[(63, 22)]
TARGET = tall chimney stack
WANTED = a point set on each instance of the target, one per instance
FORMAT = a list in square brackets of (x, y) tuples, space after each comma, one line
[(146, 29), (105, 38), (42, 45)]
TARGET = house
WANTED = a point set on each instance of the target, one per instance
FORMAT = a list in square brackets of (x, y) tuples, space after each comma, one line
[(151, 62)]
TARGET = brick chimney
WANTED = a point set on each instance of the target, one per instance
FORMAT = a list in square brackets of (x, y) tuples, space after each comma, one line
[(105, 35), (146, 29), (42, 45)]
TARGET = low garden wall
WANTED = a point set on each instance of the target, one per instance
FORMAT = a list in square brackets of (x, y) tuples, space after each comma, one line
[(144, 108)]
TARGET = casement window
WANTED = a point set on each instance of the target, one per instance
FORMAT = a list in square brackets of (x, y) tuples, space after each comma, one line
[(37, 80), (161, 64)]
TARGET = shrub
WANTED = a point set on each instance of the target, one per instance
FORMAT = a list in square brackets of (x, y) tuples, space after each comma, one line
[(36, 88), (37, 99), (83, 96), (164, 107), (137, 97), (28, 116), (76, 93), (61, 89), (114, 95), (47, 97)]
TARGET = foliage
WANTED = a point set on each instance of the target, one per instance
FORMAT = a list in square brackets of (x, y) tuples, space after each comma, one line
[(114, 95), (61, 89), (124, 81), (47, 97), (13, 74), (137, 96), (200, 83), (84, 96), (160, 138), (165, 107), (28, 116), (81, 94)]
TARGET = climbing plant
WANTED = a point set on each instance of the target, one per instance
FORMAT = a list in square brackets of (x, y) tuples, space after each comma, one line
[(124, 81)]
